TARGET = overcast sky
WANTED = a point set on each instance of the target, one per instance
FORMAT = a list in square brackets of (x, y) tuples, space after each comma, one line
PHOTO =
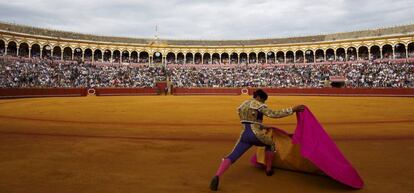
[(208, 19)]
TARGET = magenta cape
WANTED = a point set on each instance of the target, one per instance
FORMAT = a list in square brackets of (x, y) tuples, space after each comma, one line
[(310, 149)]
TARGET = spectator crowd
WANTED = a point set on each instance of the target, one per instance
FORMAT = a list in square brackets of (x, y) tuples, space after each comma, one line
[(302, 76), (45, 73)]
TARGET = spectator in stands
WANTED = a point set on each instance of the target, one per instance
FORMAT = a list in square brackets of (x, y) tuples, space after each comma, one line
[(20, 72)]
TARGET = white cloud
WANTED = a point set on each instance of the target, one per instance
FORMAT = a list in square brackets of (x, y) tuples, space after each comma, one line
[(213, 19)]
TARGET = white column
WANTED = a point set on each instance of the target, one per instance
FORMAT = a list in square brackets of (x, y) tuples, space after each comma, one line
[(381, 53), (220, 58), (294, 57), (17, 51), (357, 54), (304, 57), (314, 56), (393, 52), (61, 55), (346, 55), (406, 51), (112, 56), (369, 54), (138, 56), (41, 53), (5, 50), (256, 58)]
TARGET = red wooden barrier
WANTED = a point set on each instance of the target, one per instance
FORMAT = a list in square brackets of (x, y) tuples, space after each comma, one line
[(125, 91), (41, 92), (206, 91), (339, 91)]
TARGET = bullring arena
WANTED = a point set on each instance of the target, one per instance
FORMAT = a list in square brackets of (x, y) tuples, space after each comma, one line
[(83, 133)]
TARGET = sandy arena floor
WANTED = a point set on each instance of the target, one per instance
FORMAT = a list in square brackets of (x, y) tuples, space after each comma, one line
[(174, 144)]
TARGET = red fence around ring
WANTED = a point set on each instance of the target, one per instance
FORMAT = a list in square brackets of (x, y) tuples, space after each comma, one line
[(61, 92), (41, 92), (125, 91), (206, 91), (339, 91)]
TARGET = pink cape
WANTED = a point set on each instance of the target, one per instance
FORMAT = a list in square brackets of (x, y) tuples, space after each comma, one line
[(313, 144)]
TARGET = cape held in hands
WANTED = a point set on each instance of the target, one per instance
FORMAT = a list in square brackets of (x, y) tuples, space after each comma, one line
[(311, 150)]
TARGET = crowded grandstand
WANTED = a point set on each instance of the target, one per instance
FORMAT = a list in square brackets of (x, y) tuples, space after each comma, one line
[(39, 58)]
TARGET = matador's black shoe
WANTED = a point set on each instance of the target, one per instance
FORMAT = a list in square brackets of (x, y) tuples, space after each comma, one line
[(214, 183), (269, 172)]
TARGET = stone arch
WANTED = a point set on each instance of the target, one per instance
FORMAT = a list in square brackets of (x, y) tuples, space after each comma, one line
[(320, 55), (107, 55), (243, 58), (77, 54), (180, 58), (206, 58), (24, 49), (252, 58), (375, 52), (363, 53), (410, 50), (216, 58), (299, 54), (309, 56), (197, 58), (400, 51), (47, 51), (330, 54), (67, 53), (340, 54), (170, 58), (280, 57), (261, 58), (57, 53), (116, 56), (387, 51), (35, 51), (87, 55), (134, 57), (2, 47), (351, 54), (271, 57), (125, 56), (97, 55), (290, 57), (225, 58), (12, 48), (234, 58), (189, 58)]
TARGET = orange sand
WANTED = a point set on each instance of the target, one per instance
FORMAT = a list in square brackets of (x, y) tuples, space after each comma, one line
[(174, 144)]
